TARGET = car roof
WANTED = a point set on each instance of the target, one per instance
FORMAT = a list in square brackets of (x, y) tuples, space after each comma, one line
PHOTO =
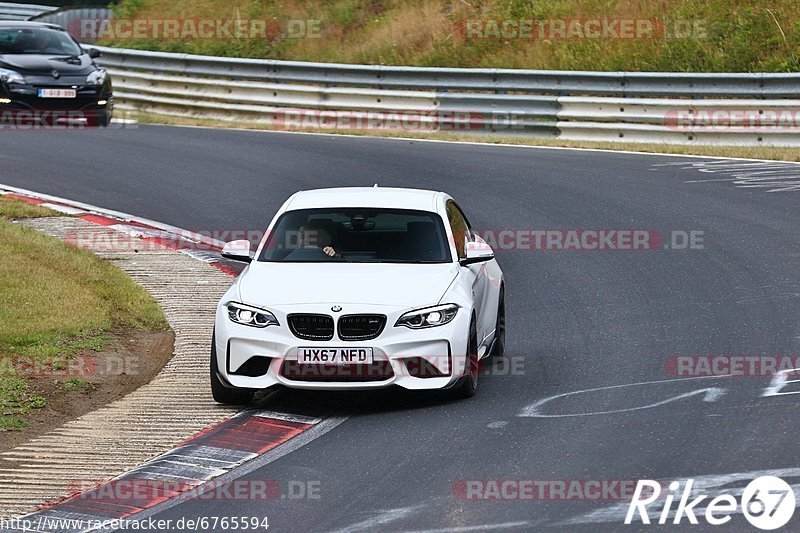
[(386, 197)]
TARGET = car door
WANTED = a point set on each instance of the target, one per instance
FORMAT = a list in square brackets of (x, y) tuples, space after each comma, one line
[(476, 273)]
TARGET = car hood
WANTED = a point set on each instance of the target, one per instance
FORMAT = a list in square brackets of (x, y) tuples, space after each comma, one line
[(45, 64), (402, 285)]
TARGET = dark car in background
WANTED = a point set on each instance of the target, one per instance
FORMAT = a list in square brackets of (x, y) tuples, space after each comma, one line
[(46, 76)]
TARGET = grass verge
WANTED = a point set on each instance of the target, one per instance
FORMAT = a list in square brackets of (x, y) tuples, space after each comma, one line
[(673, 35), (58, 301)]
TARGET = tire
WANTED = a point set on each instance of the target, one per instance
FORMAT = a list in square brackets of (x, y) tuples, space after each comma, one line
[(499, 343), (99, 120), (219, 391), (467, 385)]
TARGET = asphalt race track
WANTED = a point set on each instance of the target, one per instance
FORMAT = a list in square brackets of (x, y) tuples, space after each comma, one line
[(577, 320)]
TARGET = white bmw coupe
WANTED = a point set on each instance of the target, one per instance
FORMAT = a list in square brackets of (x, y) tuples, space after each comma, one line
[(360, 288)]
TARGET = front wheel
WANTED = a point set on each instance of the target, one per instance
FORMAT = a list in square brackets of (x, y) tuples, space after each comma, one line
[(101, 119), (219, 391), (467, 385)]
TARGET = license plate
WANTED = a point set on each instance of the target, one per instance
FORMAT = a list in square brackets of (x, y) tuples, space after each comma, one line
[(57, 93), (334, 356)]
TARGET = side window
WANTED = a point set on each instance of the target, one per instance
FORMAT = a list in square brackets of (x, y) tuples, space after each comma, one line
[(460, 228)]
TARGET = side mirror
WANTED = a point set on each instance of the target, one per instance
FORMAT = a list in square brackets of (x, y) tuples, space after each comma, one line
[(94, 53), (477, 252), (237, 251)]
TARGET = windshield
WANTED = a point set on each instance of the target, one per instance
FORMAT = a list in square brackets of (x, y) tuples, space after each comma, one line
[(357, 235), (37, 41)]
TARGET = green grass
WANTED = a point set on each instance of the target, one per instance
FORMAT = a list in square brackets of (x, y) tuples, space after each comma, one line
[(11, 208), (61, 299), (730, 35), (58, 301), (11, 423), (75, 384), (16, 400)]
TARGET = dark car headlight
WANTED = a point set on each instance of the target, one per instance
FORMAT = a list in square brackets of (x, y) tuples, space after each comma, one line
[(98, 77), (248, 315), (428, 317), (11, 76)]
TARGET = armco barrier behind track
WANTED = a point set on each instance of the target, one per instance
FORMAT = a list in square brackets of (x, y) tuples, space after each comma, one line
[(748, 109), (9, 11), (731, 109)]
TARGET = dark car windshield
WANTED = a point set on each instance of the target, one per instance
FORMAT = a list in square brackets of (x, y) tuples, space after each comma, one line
[(45, 41), (358, 235)]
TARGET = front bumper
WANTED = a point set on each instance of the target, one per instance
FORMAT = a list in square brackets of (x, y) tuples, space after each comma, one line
[(22, 101), (421, 359)]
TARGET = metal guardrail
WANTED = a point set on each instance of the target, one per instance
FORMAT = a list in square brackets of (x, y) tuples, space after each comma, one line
[(10, 11), (730, 109), (598, 106), (74, 19), (623, 84), (743, 109)]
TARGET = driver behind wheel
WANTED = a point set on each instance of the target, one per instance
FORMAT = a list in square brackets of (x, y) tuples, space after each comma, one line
[(311, 236)]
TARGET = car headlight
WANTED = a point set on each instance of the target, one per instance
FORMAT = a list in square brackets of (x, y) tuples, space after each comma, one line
[(11, 76), (98, 77), (428, 317), (250, 316)]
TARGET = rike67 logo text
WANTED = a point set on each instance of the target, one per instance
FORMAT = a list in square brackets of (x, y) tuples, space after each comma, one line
[(768, 502)]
